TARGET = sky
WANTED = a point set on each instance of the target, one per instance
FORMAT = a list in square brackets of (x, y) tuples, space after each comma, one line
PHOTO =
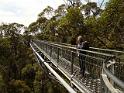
[(25, 11)]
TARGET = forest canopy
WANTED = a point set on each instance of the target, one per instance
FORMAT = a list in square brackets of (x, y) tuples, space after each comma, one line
[(19, 72), (102, 27)]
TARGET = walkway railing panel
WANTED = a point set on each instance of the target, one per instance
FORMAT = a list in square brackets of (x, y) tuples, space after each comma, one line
[(117, 69), (61, 80), (118, 54), (66, 58), (118, 66)]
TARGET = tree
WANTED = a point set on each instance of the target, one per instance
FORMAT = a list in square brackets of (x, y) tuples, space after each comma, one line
[(110, 24), (60, 11), (90, 9), (47, 12), (71, 24), (18, 86), (33, 28), (12, 57)]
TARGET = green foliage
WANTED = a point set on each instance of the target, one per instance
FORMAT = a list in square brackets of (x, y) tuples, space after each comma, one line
[(12, 57), (2, 84), (71, 25), (110, 24), (91, 9), (37, 86), (48, 10), (18, 73), (18, 86), (28, 72)]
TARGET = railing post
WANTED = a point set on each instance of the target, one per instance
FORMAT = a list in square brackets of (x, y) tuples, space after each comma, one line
[(50, 51), (46, 47), (72, 62), (102, 83), (112, 70), (104, 88), (57, 55)]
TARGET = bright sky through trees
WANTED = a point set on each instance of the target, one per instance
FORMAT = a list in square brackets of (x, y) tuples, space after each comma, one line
[(25, 11)]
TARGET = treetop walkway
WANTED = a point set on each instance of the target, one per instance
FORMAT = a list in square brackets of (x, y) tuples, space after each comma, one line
[(104, 67)]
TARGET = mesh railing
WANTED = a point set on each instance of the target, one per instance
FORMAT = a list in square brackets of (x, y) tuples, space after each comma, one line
[(67, 60), (118, 54), (118, 66)]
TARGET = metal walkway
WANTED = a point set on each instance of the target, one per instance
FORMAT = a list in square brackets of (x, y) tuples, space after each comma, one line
[(104, 70)]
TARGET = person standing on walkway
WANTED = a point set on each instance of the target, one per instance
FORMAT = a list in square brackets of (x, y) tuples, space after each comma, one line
[(81, 53)]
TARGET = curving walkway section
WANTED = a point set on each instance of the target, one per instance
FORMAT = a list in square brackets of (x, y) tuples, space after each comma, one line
[(102, 69)]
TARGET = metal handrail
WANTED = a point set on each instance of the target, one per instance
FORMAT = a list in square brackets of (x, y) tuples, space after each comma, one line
[(70, 47), (109, 50), (70, 90), (107, 74), (108, 84), (73, 46), (114, 78)]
